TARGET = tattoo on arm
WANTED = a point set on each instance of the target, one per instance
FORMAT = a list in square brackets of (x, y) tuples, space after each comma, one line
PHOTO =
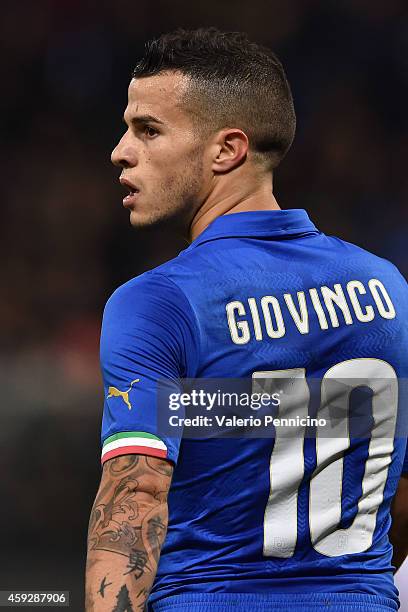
[(156, 532), (162, 467), (123, 603), (129, 518), (103, 586), (123, 464), (137, 563)]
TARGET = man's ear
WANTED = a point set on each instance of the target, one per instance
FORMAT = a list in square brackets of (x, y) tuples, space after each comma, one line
[(231, 149)]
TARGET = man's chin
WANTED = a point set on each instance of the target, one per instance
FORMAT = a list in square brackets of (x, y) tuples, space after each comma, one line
[(138, 220), (142, 221)]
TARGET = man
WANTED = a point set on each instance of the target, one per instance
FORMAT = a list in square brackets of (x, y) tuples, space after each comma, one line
[(261, 523)]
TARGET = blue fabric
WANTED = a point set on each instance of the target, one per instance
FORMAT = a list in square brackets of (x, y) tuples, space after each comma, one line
[(242, 602), (171, 323), (146, 334)]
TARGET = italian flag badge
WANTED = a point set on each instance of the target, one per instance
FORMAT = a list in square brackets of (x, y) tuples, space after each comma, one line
[(133, 442)]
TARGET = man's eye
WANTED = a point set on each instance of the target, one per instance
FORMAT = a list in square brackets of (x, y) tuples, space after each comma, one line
[(150, 131)]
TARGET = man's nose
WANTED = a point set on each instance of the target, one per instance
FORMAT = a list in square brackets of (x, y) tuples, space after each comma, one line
[(124, 155)]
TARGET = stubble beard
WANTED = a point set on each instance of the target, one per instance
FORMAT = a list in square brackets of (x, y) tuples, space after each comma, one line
[(176, 202)]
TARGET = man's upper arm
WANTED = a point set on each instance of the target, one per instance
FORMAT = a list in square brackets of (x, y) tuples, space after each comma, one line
[(147, 333), (131, 505)]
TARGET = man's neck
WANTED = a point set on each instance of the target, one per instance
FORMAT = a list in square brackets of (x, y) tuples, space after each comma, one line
[(213, 207)]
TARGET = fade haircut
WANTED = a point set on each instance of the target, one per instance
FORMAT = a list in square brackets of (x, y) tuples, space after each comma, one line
[(232, 82)]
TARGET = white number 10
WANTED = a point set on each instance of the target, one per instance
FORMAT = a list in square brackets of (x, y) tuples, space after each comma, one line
[(287, 461)]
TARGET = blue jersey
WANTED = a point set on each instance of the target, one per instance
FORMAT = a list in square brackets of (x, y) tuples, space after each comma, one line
[(297, 521)]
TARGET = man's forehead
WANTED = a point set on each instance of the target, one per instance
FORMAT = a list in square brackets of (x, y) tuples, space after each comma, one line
[(159, 95)]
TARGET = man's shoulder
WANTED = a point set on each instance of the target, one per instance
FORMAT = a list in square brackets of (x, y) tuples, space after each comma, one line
[(144, 290), (354, 256), (152, 310), (160, 293), (168, 281)]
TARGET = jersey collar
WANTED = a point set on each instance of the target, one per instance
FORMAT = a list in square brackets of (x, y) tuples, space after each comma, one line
[(262, 223)]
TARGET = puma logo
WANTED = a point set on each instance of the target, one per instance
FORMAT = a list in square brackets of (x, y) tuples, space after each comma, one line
[(114, 392)]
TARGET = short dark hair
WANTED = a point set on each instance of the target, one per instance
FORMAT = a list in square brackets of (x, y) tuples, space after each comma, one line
[(233, 82)]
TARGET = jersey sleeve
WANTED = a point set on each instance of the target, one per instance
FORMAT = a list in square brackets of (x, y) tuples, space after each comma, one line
[(148, 330)]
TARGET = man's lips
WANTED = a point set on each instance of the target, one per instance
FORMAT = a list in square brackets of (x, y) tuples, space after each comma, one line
[(133, 190), (130, 200)]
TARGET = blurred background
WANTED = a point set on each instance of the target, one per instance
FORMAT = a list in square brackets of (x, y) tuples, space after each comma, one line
[(66, 243)]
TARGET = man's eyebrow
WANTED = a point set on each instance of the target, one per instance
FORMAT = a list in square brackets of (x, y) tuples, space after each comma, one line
[(137, 119)]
